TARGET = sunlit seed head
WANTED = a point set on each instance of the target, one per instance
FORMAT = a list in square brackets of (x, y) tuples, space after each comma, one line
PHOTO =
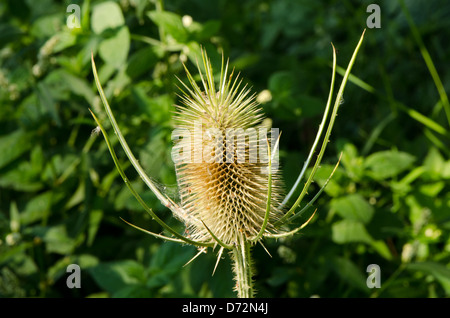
[(225, 190)]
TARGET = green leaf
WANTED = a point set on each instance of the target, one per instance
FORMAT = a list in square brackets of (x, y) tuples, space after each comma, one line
[(115, 276), (16, 251), (350, 273), (171, 256), (64, 40), (78, 86), (206, 30), (158, 108), (352, 162), (25, 177), (353, 207), (445, 173), (13, 146), (404, 185), (387, 164), (46, 26), (432, 189), (114, 47), (106, 15), (37, 208), (436, 165), (114, 50), (95, 218), (348, 231), (62, 84), (118, 83), (168, 260), (382, 249), (56, 238), (170, 23), (58, 165), (47, 102), (438, 271), (141, 62)]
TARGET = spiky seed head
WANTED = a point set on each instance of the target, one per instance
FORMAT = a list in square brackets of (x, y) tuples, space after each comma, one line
[(221, 184)]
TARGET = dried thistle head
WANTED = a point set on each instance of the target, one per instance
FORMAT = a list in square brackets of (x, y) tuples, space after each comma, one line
[(221, 159), (230, 191)]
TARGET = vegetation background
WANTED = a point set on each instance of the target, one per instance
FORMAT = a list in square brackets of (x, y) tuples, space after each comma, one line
[(61, 198)]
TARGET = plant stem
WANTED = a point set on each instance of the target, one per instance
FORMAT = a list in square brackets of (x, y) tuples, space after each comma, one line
[(243, 269)]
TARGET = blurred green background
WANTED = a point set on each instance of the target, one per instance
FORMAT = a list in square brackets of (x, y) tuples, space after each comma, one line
[(61, 197)]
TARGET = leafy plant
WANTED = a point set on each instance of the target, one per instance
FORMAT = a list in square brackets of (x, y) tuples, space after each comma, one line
[(61, 196)]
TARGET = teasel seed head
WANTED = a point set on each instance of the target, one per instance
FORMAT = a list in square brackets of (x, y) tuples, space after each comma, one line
[(223, 189)]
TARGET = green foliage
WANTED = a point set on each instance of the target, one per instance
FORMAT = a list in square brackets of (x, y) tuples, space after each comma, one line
[(61, 197)]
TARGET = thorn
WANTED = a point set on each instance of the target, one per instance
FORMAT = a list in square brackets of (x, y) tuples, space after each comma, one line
[(219, 256), (202, 250), (265, 248)]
